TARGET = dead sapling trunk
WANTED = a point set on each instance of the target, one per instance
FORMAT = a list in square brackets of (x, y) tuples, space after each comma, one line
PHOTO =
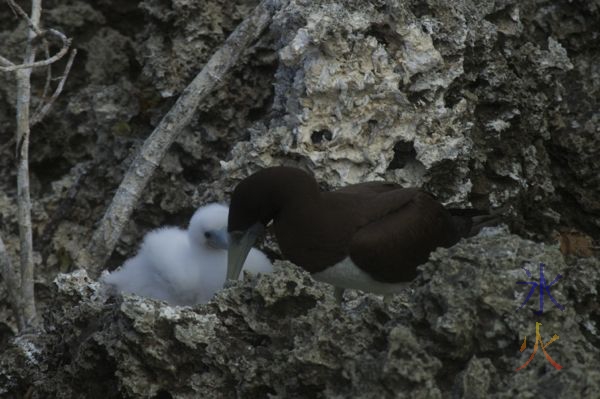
[(22, 283)]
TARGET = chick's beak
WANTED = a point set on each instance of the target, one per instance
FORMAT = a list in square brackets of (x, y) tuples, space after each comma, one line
[(240, 244)]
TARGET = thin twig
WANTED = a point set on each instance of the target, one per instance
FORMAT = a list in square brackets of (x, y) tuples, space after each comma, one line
[(66, 43), (39, 115), (43, 109), (10, 66), (6, 61), (33, 25), (12, 282), (212, 75), (48, 78), (11, 5)]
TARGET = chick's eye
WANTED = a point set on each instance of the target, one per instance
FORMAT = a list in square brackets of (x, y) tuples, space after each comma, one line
[(207, 234)]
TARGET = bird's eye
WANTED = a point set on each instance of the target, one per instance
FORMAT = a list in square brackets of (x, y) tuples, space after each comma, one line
[(207, 234)]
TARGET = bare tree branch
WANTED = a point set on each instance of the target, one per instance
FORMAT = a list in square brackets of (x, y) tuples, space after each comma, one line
[(66, 43), (37, 32), (13, 284), (21, 284), (48, 78), (22, 156), (5, 61), (39, 115), (212, 75), (33, 25)]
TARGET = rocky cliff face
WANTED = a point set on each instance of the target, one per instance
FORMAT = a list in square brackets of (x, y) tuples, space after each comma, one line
[(455, 333), (482, 103)]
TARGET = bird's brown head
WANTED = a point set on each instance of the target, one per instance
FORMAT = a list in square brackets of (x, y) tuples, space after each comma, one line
[(255, 202)]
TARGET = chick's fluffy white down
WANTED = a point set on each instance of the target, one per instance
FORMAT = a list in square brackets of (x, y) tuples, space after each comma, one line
[(179, 266)]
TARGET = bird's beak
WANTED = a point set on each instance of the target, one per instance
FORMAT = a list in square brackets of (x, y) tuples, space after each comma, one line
[(219, 239), (240, 243)]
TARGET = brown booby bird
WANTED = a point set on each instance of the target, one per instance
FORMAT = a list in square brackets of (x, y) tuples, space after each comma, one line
[(369, 236)]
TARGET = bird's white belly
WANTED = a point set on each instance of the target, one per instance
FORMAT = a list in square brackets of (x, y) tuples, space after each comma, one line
[(346, 274)]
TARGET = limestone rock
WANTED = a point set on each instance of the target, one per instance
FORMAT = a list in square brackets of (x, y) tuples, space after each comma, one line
[(456, 334)]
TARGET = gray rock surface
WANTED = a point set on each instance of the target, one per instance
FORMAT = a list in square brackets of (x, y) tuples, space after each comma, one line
[(456, 332)]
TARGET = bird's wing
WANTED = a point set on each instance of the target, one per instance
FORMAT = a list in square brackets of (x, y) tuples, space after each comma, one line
[(135, 277), (327, 239), (404, 226), (369, 202), (127, 277), (369, 187)]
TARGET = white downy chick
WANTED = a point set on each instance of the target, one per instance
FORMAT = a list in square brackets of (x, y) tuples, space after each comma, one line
[(184, 267)]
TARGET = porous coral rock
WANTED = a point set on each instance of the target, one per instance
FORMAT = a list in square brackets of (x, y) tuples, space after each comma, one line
[(455, 333), (461, 98)]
